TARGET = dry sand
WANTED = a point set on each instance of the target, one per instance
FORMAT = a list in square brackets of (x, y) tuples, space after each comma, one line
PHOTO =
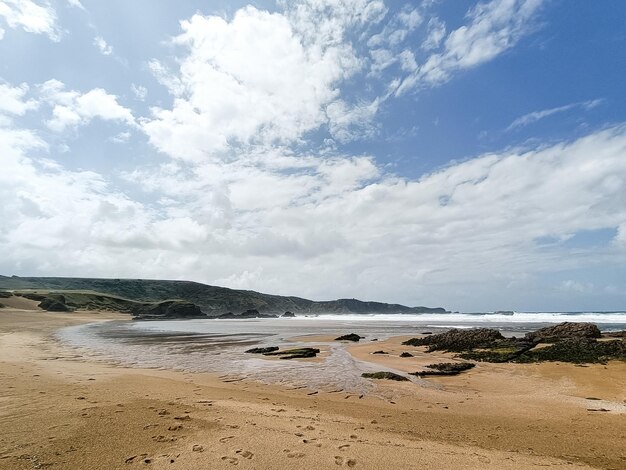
[(60, 410)]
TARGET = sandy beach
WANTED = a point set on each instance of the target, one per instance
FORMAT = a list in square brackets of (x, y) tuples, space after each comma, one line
[(61, 410)]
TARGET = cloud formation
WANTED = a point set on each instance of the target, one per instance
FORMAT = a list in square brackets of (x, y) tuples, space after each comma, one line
[(31, 17)]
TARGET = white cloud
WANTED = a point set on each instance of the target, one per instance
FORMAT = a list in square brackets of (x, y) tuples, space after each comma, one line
[(76, 3), (121, 138), (436, 33), (31, 17), (139, 91), (493, 28), (538, 115), (72, 108), (330, 227), (12, 99), (257, 79), (102, 45)]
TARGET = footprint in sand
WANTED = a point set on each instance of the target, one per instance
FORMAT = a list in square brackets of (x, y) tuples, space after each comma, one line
[(224, 439), (341, 461), (246, 454), (295, 455), (231, 460)]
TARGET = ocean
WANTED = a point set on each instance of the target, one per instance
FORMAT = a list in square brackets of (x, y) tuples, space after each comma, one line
[(218, 346)]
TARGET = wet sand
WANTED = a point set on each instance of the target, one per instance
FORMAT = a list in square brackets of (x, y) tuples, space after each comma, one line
[(62, 410)]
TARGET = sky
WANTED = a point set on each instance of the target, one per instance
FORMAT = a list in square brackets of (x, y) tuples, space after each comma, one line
[(470, 155)]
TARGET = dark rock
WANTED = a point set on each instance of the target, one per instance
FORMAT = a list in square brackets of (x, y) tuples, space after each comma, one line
[(427, 333), (288, 314), (350, 337), (564, 330), (380, 352), (2, 305), (5, 295), (615, 334), (53, 305), (251, 313), (406, 354), (577, 350), (262, 350), (445, 368), (385, 375), (458, 340), (294, 353), (33, 296), (168, 310)]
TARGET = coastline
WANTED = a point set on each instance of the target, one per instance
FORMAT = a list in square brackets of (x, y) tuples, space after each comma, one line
[(62, 409)]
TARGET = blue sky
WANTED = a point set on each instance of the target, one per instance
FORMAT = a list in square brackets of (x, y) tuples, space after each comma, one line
[(464, 154)]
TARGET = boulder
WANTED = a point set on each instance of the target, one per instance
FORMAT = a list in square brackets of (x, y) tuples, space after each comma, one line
[(380, 352), (350, 337), (167, 310), (298, 353), (406, 354), (5, 294), (551, 334), (445, 368), (578, 350), (269, 349), (458, 340), (385, 375), (288, 314)]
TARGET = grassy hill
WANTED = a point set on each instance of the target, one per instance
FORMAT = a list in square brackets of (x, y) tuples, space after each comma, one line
[(212, 300)]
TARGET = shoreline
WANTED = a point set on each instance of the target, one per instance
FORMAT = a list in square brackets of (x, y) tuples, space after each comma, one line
[(99, 415)]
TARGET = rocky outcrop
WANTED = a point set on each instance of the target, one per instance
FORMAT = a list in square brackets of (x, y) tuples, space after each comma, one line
[(269, 349), (53, 305), (299, 353), (445, 368), (250, 313), (288, 315), (564, 330), (168, 310), (385, 375), (406, 354), (458, 340), (577, 350), (350, 337), (5, 294)]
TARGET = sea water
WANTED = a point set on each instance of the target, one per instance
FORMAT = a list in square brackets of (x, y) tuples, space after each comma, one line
[(218, 346)]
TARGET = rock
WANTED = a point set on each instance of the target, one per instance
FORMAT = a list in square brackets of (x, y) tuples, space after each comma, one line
[(251, 313), (385, 375), (2, 305), (167, 310), (350, 337), (269, 349), (458, 340), (615, 334), (53, 305), (564, 330), (380, 352), (288, 314), (445, 368), (406, 354), (5, 294), (577, 350), (298, 353)]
